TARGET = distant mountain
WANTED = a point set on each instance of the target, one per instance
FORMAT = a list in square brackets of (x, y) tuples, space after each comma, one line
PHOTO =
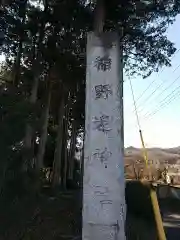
[(170, 155)]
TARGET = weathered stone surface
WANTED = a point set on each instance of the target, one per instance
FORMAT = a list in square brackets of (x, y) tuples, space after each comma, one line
[(104, 186)]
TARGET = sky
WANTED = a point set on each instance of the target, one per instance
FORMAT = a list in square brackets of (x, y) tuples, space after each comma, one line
[(159, 106)]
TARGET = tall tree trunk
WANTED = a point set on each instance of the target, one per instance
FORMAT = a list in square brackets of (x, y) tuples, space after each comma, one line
[(57, 164), (17, 65), (44, 132), (66, 165), (72, 150), (29, 129), (33, 97), (82, 162)]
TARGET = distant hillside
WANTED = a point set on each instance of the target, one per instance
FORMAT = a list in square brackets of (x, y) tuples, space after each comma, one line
[(170, 155)]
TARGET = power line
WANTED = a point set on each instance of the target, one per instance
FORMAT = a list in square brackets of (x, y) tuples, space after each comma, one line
[(158, 87), (140, 96), (134, 102), (148, 87), (140, 131), (164, 103), (169, 95), (172, 99)]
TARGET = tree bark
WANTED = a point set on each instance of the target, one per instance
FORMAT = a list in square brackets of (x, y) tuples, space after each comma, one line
[(65, 137), (43, 137), (29, 129), (99, 16), (82, 162), (57, 164), (33, 96), (72, 150), (66, 155), (17, 64)]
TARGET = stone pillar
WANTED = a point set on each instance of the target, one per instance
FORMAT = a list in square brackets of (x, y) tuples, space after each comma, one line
[(103, 182)]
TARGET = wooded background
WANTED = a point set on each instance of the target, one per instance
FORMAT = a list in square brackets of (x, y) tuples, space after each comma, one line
[(42, 81)]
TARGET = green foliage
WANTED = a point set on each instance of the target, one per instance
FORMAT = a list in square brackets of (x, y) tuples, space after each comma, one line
[(146, 47), (52, 35)]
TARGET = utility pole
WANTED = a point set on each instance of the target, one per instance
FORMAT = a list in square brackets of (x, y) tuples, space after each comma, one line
[(104, 207)]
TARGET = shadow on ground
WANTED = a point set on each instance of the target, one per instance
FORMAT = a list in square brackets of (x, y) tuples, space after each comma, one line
[(140, 224), (55, 217), (170, 209), (172, 226), (58, 217)]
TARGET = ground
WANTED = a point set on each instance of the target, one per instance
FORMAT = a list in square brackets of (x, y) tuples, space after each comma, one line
[(171, 217), (58, 217), (55, 217)]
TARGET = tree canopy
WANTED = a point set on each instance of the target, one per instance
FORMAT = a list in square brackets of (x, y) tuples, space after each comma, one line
[(42, 97)]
